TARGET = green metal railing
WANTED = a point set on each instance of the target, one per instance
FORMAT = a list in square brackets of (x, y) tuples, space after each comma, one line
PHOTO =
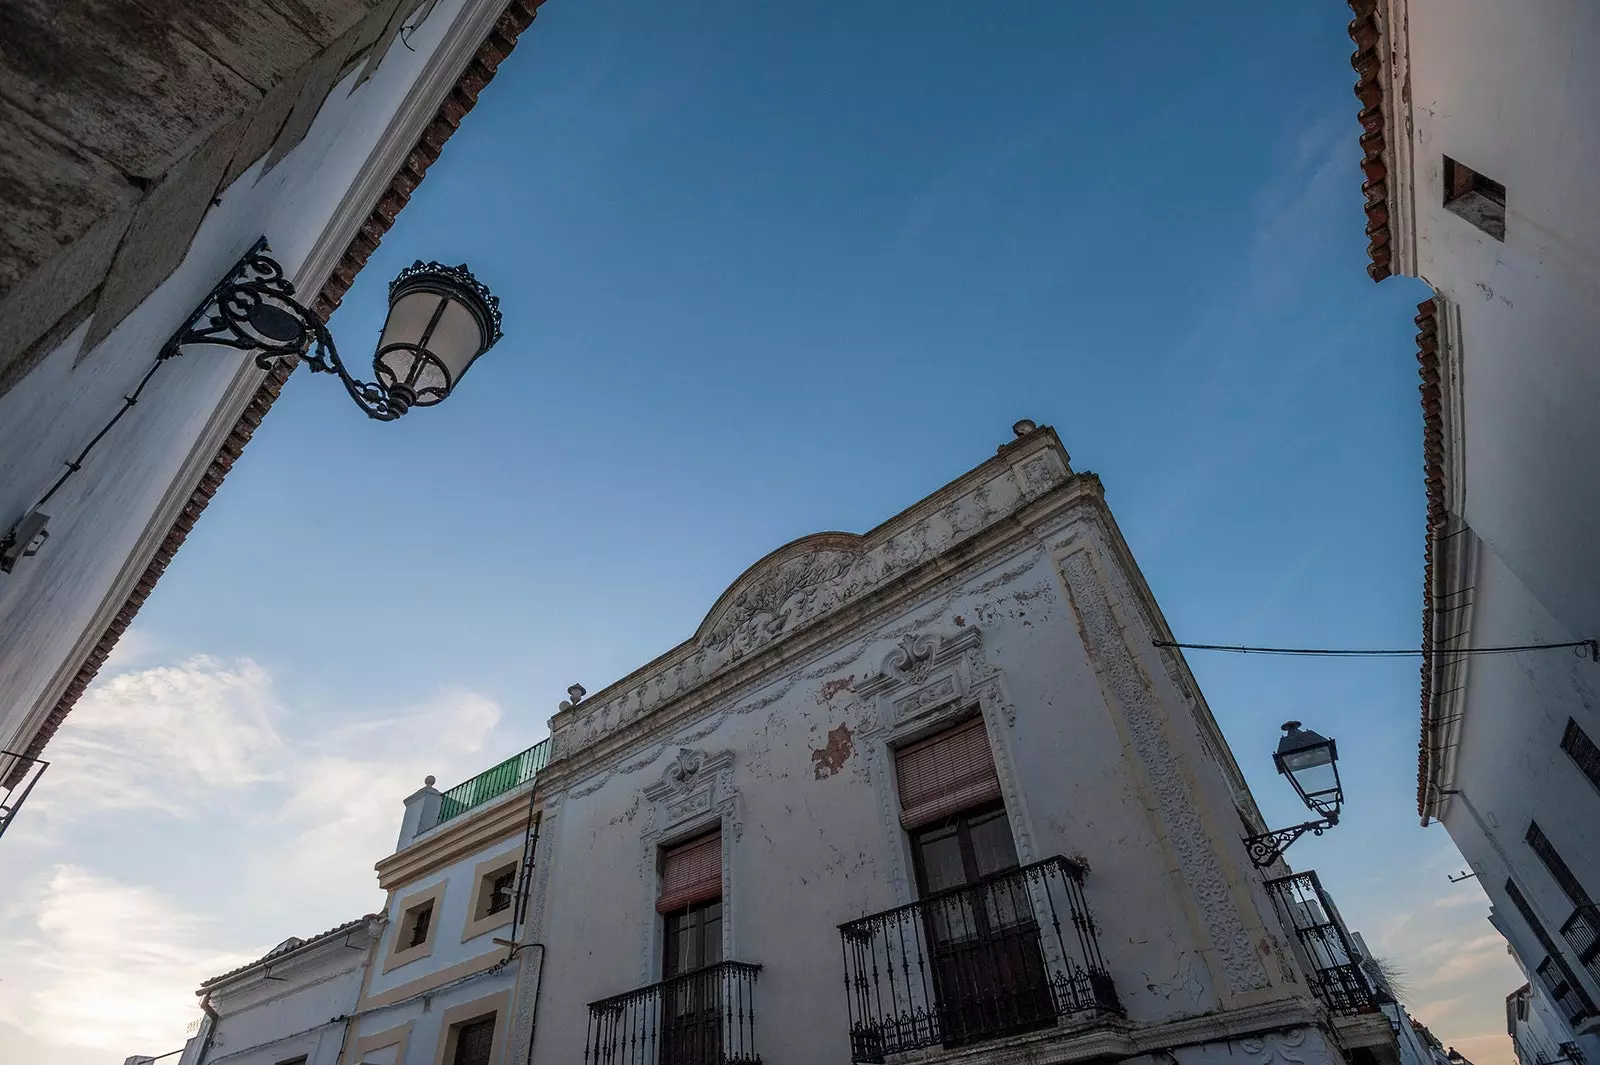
[(495, 781)]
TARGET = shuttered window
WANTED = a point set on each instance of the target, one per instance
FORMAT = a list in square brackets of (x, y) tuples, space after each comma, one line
[(691, 873), (945, 774), (475, 1043), (1558, 868)]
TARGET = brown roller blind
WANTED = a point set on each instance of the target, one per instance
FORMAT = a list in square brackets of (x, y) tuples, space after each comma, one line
[(691, 873), (946, 774)]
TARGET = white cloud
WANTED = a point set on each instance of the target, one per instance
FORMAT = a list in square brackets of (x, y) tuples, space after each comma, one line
[(166, 738), (106, 965), (257, 823)]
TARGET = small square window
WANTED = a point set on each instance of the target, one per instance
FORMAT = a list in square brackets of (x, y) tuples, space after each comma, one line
[(497, 890), (418, 921), (1480, 200), (474, 1042)]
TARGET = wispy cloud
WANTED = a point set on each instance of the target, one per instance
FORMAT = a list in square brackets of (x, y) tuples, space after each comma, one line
[(107, 965), (109, 929)]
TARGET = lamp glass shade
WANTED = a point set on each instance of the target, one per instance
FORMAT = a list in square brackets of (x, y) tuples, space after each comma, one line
[(1311, 762), (440, 320)]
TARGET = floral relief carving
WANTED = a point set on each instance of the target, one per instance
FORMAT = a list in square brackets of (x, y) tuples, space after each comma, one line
[(791, 592), (1103, 636)]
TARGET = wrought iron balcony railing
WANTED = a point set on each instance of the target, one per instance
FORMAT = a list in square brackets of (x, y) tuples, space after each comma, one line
[(1336, 976), (1009, 954), (494, 781), (705, 1017), (1569, 998), (1582, 931), (18, 775)]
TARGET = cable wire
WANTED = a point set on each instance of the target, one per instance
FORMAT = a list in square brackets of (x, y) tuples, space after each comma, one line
[(1591, 646)]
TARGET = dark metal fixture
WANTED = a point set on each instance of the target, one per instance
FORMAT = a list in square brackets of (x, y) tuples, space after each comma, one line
[(441, 319), (21, 773), (1011, 953), (1334, 967), (1311, 762), (703, 1017)]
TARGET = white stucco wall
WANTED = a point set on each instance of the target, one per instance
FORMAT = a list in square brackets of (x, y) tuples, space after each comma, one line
[(297, 1006), (815, 847), (1515, 711), (1511, 90), (107, 521), (419, 993)]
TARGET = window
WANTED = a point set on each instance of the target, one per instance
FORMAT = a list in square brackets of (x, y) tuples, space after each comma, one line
[(945, 774), (418, 921), (988, 969), (501, 890), (690, 873), (1577, 743), (690, 903), (474, 1042), (1564, 988), (1558, 868), (1479, 200)]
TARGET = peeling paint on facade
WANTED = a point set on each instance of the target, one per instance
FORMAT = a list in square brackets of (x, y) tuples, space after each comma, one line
[(830, 758)]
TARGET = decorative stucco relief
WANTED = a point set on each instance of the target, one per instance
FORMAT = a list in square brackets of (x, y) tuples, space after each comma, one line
[(798, 585), (1106, 642), (924, 681), (695, 793)]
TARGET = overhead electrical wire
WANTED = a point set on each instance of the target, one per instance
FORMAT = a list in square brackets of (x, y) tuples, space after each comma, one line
[(1590, 646)]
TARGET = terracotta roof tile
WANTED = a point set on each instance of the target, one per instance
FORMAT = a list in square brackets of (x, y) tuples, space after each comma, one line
[(1433, 482), (516, 17), (1368, 64)]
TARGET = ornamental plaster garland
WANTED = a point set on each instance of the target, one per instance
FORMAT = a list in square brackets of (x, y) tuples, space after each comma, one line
[(797, 590), (1103, 635)]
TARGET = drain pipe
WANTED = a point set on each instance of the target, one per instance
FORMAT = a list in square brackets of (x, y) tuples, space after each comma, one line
[(538, 989), (211, 1028)]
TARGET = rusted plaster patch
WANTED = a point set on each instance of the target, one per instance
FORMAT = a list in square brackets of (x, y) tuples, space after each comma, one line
[(831, 757), (831, 688)]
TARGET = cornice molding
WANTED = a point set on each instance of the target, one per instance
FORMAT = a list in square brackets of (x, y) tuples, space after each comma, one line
[(456, 839), (810, 591)]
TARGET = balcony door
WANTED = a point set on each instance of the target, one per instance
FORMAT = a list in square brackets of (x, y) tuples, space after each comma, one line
[(989, 976), (691, 994)]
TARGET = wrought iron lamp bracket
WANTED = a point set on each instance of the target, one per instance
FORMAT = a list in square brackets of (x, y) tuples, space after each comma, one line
[(1267, 847), (254, 309)]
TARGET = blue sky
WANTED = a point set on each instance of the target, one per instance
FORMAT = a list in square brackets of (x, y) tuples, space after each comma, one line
[(770, 269)]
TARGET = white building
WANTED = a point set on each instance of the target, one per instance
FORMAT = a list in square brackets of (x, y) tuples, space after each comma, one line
[(1478, 143), (307, 124), (292, 1006), (927, 793), (1538, 1033)]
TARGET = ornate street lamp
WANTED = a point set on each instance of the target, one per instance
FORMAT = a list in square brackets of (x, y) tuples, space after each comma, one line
[(1311, 762), (441, 319)]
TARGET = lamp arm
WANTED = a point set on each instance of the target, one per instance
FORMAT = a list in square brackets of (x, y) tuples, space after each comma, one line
[(1267, 847), (253, 309)]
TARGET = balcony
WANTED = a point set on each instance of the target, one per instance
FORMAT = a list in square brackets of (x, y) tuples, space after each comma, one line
[(1582, 931), (1569, 999), (494, 782), (1010, 954), (705, 1017), (1334, 968)]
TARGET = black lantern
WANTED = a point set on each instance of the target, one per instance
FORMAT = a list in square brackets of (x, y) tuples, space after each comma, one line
[(1311, 762), (441, 319)]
